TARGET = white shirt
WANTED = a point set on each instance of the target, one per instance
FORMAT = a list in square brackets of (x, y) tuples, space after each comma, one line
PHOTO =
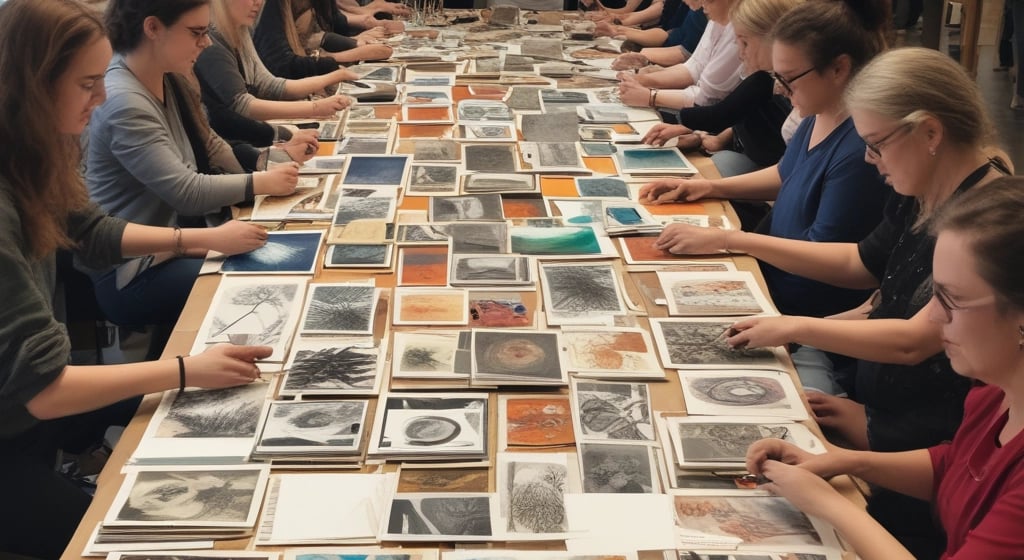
[(715, 66)]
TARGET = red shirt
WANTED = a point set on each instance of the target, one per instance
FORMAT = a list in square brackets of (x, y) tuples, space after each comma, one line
[(979, 486)]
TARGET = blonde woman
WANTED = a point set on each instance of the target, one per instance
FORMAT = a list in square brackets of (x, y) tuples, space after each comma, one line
[(753, 111), (932, 145), (233, 78)]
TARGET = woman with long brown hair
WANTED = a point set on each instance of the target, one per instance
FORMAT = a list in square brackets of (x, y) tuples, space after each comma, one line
[(53, 55)]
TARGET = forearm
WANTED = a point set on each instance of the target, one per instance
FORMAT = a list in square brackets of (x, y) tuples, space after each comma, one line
[(906, 472), (84, 388), (673, 99), (763, 184), (869, 539), (148, 240), (837, 264), (654, 37), (890, 341), (664, 56), (673, 77), (642, 17), (298, 89), (264, 109)]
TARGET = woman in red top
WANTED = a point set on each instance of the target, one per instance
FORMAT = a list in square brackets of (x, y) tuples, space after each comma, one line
[(975, 482)]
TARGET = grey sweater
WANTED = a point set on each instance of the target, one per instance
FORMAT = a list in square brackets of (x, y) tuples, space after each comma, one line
[(139, 163), (34, 346), (236, 82)]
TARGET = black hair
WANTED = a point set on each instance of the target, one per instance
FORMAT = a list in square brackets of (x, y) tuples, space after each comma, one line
[(124, 18)]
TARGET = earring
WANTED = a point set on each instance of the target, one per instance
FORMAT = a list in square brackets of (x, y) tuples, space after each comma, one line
[(931, 151)]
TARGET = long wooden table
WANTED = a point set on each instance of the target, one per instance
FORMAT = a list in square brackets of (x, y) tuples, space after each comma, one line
[(665, 396)]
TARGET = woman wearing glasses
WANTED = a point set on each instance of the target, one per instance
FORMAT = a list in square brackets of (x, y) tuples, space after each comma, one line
[(823, 189), (931, 144), (975, 482)]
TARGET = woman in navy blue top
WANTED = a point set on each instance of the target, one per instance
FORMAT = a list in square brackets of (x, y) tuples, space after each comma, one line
[(823, 189)]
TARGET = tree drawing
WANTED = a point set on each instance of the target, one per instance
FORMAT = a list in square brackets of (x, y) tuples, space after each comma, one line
[(275, 297)]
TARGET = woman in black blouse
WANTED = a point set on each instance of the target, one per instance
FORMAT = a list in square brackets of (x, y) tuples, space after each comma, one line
[(279, 44), (931, 144), (753, 111)]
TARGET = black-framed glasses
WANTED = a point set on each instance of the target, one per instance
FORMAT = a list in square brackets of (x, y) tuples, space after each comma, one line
[(948, 307), (874, 149), (787, 83)]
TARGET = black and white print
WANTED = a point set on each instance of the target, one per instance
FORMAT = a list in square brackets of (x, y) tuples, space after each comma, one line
[(440, 517), (201, 496), (532, 490), (466, 208), (331, 368), (695, 344), (575, 293), (215, 413), (339, 309), (613, 411), (617, 468), (294, 425)]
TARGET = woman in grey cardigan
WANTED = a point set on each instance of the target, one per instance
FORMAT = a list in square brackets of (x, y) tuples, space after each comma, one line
[(152, 159), (52, 58)]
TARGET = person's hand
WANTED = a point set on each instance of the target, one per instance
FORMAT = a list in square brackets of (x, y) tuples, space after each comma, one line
[(608, 29), (393, 8), (224, 365), (629, 61), (234, 237), (674, 190), (632, 93), (663, 132), (762, 332), (371, 35), (776, 450), (714, 142), (599, 15), (329, 106), (303, 144), (684, 239), (378, 51), (280, 180), (807, 491), (392, 26), (844, 415)]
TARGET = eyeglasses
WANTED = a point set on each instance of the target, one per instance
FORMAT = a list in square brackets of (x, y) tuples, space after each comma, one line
[(874, 149), (787, 83), (948, 307)]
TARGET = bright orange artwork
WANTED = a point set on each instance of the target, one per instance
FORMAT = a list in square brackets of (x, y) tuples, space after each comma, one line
[(523, 207), (641, 248), (424, 266), (429, 113), (539, 422)]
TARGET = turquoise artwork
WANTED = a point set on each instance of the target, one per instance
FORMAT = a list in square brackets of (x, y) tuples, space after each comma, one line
[(646, 158), (602, 186), (554, 241)]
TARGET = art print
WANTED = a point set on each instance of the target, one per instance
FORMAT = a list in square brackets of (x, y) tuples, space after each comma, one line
[(431, 425), (437, 150), (352, 208), (617, 468), (722, 441), (453, 517), (490, 270), (524, 98), (541, 421), (552, 156), (531, 494), (286, 252), (332, 367), (653, 160), (700, 344), (428, 95), (566, 240), (757, 555), (376, 170), (304, 203), (428, 354), (376, 72), (710, 293), (339, 309), (205, 555), (440, 479), (418, 306), (189, 497), (477, 237), (603, 187), (483, 110), (498, 183), (467, 207), (430, 234), (433, 180), (613, 411), (253, 311), (529, 357), (490, 132), (581, 293), (363, 145), (489, 158), (546, 127), (611, 353), (767, 393), (213, 413), (747, 520), (499, 310), (348, 553), (524, 206), (297, 426), (427, 113), (423, 266), (344, 255)]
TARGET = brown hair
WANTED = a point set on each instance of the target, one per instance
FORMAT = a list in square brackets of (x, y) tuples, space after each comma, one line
[(760, 16), (827, 29), (990, 217), (124, 18), (38, 39)]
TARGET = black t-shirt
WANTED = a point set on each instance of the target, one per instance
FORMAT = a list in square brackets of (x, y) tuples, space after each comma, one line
[(753, 111), (908, 406)]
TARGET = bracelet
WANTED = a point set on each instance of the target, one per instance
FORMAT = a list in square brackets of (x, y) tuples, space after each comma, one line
[(179, 247), (653, 98), (181, 374)]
